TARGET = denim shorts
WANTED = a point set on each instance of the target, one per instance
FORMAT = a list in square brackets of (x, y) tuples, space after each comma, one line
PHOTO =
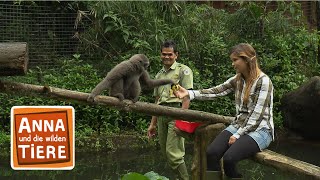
[(262, 137)]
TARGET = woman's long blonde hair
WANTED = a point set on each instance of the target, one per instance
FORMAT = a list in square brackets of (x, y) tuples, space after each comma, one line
[(247, 53)]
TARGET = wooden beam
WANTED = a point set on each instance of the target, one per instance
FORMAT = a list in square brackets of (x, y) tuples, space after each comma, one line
[(126, 105), (14, 59), (285, 163), (206, 133)]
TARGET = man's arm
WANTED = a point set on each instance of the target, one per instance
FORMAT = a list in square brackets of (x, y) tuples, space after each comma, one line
[(154, 118), (153, 124)]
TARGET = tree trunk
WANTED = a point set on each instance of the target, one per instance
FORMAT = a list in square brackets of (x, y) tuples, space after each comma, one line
[(13, 59), (126, 105)]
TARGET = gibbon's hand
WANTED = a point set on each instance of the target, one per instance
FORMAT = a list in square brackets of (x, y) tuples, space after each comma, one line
[(151, 131), (181, 92), (90, 98), (232, 140)]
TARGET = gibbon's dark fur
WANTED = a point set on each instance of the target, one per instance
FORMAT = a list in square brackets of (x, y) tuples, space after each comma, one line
[(123, 81)]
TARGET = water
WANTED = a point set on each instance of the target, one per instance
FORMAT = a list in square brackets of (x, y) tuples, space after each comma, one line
[(113, 165)]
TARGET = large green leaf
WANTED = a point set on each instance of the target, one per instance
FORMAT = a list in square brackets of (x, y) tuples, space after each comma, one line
[(155, 176), (134, 176)]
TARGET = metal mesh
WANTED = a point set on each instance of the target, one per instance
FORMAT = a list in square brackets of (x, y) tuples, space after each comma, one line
[(49, 35)]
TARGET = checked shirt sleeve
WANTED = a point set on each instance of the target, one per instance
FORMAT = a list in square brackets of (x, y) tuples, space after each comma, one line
[(217, 91)]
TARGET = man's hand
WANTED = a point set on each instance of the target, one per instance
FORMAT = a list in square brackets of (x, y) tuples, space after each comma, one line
[(232, 140), (151, 131)]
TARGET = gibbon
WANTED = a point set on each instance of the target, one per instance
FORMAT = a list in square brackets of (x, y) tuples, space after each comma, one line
[(123, 81)]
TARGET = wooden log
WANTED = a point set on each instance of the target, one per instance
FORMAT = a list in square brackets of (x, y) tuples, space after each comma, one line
[(285, 163), (126, 105), (266, 157), (205, 134), (14, 59)]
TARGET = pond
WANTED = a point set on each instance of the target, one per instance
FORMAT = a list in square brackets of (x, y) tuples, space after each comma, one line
[(113, 165)]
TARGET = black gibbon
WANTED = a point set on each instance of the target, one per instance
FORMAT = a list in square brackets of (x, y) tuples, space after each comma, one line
[(123, 81)]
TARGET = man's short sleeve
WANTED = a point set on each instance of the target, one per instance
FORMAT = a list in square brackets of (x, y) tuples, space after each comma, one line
[(186, 79)]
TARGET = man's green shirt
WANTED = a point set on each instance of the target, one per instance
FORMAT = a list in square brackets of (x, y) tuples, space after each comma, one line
[(181, 74)]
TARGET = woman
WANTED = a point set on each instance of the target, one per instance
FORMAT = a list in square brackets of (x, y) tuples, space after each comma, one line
[(252, 129)]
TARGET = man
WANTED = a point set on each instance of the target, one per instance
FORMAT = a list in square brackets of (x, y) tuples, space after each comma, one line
[(172, 145)]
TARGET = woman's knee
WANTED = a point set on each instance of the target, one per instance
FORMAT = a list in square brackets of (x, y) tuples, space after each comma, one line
[(215, 150), (212, 152), (229, 158)]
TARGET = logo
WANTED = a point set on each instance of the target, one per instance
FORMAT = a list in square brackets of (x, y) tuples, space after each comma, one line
[(42, 138)]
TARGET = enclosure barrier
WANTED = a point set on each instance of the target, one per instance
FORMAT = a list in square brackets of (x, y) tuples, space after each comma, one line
[(14, 61), (203, 135)]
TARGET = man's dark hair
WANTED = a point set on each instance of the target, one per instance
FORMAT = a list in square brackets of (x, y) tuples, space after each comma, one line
[(169, 44)]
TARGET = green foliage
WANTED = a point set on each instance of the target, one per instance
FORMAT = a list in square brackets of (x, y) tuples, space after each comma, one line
[(286, 49), (134, 176), (4, 143), (148, 176), (155, 176), (76, 75)]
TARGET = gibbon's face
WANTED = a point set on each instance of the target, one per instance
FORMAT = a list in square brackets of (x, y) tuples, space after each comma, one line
[(145, 63), (168, 57), (239, 64)]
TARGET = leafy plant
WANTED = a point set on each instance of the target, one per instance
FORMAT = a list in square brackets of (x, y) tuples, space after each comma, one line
[(287, 52), (148, 176)]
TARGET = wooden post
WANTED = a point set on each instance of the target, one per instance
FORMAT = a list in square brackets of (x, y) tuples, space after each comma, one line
[(13, 59), (204, 135)]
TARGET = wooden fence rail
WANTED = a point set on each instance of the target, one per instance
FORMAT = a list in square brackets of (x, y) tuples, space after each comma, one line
[(204, 135)]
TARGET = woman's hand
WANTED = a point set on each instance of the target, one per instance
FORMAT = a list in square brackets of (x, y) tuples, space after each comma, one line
[(232, 140), (181, 92)]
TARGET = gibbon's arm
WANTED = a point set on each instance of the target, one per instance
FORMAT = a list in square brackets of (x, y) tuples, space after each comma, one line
[(151, 83), (100, 87)]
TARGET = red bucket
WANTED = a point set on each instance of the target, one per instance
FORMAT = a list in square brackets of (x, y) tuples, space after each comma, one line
[(187, 126)]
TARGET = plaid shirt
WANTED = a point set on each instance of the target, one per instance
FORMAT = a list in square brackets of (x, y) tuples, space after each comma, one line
[(256, 114)]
